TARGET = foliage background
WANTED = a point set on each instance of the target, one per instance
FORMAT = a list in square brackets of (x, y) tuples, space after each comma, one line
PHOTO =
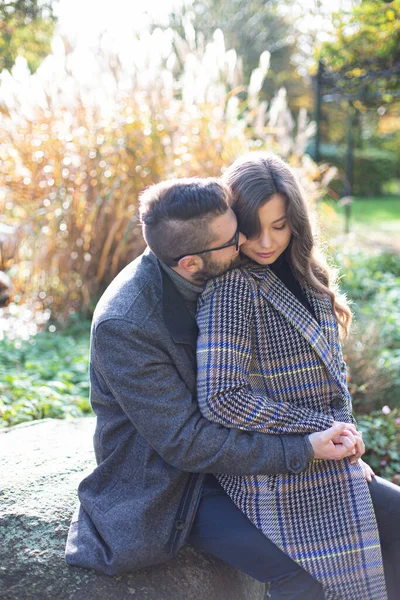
[(73, 160), (26, 29), (77, 146)]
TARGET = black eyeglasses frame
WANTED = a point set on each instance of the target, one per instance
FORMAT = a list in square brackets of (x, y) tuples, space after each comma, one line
[(234, 243)]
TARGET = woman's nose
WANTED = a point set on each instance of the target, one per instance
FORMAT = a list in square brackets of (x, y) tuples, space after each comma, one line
[(265, 240)]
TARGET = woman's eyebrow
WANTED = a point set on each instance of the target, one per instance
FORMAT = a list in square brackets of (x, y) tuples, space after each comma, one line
[(280, 219)]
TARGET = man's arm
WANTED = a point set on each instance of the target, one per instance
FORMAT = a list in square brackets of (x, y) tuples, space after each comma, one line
[(143, 379)]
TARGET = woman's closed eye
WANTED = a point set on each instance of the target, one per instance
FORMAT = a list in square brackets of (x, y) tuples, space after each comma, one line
[(281, 227)]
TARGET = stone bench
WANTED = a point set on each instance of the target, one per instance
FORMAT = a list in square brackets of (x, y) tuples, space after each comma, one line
[(41, 464)]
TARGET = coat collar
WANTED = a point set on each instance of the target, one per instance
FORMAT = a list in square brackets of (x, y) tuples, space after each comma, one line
[(317, 334), (181, 325)]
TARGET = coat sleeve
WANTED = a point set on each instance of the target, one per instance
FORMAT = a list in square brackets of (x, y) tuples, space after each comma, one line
[(224, 351), (132, 370)]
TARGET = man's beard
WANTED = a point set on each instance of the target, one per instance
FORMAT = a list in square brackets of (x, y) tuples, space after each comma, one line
[(213, 269)]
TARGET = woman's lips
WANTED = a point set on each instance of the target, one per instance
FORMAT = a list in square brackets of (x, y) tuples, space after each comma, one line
[(265, 254)]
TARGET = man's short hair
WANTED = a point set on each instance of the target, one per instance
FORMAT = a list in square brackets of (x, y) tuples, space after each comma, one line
[(176, 214)]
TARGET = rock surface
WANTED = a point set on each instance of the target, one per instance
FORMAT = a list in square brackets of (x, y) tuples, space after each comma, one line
[(41, 465)]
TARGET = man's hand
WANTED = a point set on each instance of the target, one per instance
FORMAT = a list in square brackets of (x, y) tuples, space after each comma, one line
[(337, 442), (351, 436)]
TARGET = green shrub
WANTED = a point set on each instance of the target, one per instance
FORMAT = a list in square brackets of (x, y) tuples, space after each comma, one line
[(391, 142), (372, 168), (372, 350), (381, 435), (373, 285), (45, 376), (373, 369)]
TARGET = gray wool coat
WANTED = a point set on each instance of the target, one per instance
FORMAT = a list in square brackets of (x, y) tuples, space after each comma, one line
[(152, 444)]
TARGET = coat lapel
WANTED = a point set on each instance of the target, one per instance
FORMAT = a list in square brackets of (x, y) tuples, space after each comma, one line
[(276, 293), (181, 325)]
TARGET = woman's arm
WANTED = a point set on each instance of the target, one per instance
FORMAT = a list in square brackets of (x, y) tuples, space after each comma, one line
[(224, 350)]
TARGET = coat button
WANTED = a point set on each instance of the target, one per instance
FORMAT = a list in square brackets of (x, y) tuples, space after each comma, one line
[(296, 466), (180, 524), (337, 403)]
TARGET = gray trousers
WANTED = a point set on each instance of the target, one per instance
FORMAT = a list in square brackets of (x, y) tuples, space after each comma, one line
[(222, 530)]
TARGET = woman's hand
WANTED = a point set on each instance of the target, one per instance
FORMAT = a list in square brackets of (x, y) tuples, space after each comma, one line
[(368, 472)]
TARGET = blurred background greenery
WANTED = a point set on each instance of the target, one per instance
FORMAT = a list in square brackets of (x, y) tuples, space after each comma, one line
[(97, 103)]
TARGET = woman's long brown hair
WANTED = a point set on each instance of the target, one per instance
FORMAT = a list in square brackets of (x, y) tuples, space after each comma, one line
[(253, 179)]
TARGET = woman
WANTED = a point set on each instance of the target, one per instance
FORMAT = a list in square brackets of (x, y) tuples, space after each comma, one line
[(269, 359)]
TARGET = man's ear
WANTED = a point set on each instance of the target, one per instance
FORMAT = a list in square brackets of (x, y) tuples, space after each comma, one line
[(191, 263)]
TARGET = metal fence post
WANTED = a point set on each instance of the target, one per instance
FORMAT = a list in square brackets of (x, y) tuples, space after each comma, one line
[(318, 109), (349, 165)]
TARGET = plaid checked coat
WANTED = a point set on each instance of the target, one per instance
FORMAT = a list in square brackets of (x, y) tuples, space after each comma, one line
[(265, 364)]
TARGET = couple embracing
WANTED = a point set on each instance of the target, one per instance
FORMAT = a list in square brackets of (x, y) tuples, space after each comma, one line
[(223, 416)]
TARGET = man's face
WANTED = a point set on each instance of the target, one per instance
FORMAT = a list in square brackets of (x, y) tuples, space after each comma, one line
[(223, 230)]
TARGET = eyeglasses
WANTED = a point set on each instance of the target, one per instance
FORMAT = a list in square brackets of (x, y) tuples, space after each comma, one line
[(234, 243)]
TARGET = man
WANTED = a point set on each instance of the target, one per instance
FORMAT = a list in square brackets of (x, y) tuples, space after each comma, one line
[(152, 445)]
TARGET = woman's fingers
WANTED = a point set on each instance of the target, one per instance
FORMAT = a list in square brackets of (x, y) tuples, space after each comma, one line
[(368, 472)]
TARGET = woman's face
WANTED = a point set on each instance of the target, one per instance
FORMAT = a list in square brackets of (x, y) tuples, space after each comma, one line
[(275, 233)]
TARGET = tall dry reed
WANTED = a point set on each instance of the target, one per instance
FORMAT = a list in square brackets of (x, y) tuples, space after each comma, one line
[(77, 146)]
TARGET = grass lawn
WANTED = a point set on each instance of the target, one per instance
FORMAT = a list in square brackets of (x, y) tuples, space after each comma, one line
[(374, 220), (374, 210)]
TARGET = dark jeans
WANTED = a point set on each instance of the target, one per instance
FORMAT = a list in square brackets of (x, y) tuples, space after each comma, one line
[(222, 530)]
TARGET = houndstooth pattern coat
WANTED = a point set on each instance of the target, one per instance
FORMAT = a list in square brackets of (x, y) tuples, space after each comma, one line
[(265, 364)]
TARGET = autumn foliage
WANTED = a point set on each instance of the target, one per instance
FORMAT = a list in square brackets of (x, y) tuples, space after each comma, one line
[(75, 153)]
